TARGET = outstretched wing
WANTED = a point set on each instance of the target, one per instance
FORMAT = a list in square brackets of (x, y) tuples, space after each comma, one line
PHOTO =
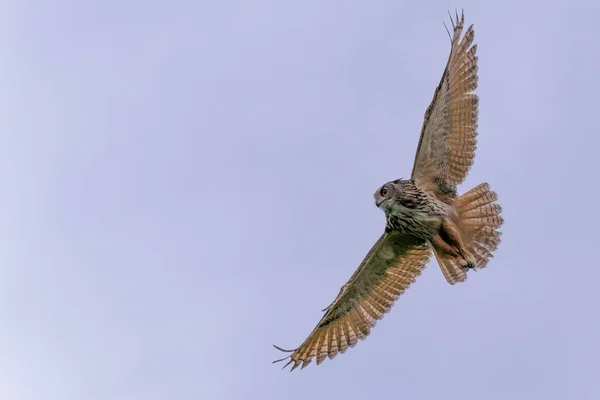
[(448, 141), (389, 268)]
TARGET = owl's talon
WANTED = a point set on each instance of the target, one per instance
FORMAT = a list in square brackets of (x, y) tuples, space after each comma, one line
[(470, 265)]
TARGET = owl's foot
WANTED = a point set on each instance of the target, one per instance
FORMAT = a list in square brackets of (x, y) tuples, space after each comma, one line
[(469, 265)]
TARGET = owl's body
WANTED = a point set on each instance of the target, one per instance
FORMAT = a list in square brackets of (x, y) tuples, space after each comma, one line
[(424, 215), (414, 212)]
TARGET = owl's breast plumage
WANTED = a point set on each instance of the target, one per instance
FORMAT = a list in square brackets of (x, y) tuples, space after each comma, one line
[(420, 216), (412, 222)]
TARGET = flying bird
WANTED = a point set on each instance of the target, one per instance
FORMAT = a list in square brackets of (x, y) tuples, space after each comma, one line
[(424, 215)]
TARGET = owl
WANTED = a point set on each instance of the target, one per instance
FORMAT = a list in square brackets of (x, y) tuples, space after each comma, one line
[(424, 215)]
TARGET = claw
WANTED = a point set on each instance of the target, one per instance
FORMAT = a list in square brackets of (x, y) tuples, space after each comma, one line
[(470, 265)]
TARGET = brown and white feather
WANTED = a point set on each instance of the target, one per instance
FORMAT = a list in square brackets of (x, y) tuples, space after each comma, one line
[(390, 267), (446, 148)]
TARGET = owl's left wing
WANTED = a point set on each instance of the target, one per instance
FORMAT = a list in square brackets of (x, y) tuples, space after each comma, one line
[(389, 268), (448, 141)]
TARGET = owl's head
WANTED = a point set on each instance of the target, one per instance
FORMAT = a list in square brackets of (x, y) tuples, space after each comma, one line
[(384, 196)]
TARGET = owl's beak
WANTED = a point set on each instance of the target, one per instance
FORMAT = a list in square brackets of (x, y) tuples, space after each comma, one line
[(378, 203)]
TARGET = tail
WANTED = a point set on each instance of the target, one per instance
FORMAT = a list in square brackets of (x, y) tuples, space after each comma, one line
[(478, 221)]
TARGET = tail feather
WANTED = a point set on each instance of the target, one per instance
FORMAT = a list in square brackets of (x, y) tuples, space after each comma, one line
[(474, 199), (478, 221), (487, 214)]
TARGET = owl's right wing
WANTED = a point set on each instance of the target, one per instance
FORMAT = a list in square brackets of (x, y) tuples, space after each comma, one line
[(389, 268)]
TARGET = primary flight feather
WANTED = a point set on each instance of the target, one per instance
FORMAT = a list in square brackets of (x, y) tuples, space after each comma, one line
[(424, 215)]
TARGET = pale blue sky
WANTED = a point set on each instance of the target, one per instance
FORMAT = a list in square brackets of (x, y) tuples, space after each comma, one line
[(185, 183)]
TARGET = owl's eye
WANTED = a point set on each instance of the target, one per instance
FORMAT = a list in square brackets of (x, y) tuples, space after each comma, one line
[(384, 191)]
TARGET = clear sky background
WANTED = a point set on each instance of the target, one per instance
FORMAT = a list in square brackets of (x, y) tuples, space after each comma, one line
[(185, 183)]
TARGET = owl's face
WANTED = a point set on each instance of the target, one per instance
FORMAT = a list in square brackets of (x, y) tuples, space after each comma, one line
[(384, 196)]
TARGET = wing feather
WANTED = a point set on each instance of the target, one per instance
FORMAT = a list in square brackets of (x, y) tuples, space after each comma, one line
[(446, 149), (389, 268)]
